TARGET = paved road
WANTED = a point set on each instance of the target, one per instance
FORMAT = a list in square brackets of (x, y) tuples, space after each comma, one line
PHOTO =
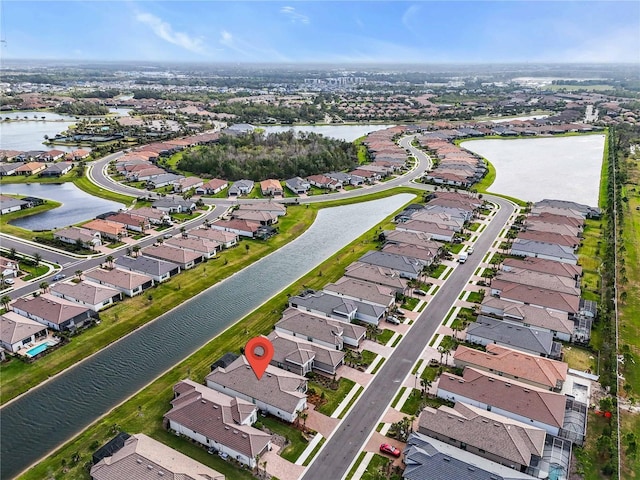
[(348, 440)]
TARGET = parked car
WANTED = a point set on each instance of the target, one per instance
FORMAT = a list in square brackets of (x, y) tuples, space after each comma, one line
[(390, 449), (58, 276), (470, 250), (422, 293), (393, 319), (167, 235), (9, 281)]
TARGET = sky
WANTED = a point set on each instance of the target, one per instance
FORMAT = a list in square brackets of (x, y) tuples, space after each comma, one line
[(323, 31)]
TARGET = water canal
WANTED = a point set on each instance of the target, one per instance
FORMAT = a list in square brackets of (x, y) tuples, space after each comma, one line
[(44, 418)]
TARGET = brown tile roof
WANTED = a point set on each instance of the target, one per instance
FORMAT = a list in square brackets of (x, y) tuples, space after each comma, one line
[(536, 279), (142, 458), (509, 395), (106, 226), (534, 316), (214, 235), (171, 254), (14, 327), (540, 296), (53, 309), (219, 417), (120, 278), (543, 265), (514, 363), (88, 292)]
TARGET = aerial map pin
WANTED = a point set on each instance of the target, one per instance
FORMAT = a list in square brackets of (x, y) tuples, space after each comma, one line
[(259, 352)]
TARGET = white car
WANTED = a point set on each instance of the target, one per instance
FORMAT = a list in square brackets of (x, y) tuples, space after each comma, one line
[(9, 281), (470, 250)]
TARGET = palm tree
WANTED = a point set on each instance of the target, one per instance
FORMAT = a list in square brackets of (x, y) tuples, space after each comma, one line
[(5, 300), (425, 383), (136, 250), (44, 286), (12, 253), (79, 274), (37, 258), (110, 260)]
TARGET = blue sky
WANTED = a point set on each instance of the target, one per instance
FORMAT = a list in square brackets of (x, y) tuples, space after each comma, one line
[(323, 31)]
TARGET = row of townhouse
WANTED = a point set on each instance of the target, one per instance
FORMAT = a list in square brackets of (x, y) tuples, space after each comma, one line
[(54, 155), (35, 168)]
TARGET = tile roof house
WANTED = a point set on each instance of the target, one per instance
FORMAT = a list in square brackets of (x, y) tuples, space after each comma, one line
[(410, 238), (55, 313), (89, 294), (129, 283), (211, 187), (557, 323), (186, 259), (532, 369), (240, 187), (322, 181), (73, 235), (324, 331), (541, 265), (207, 248), (10, 204), (256, 216), (280, 393), (57, 169), (7, 169), (187, 183), (540, 297), (495, 437), (17, 331), (30, 168), (226, 239), (433, 230), (362, 291), (486, 330), (107, 229), (502, 280), (338, 308), (429, 459), (299, 356), (153, 215), (163, 180), (551, 237), (137, 223), (159, 270), (271, 187), (243, 228), (518, 401), (422, 254), (408, 267), (218, 421), (377, 275), (273, 207), (143, 458)]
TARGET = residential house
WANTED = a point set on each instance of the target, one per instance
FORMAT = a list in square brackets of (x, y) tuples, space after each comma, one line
[(443, 220), (543, 266), (534, 279), (422, 254), (324, 182), (551, 237), (129, 283), (153, 215), (55, 313), (558, 323), (433, 230), (143, 458), (226, 239), (107, 229), (10, 204), (57, 169), (30, 168), (518, 401), (271, 187), (333, 334), (400, 237), (346, 178), (8, 169), (275, 208), (298, 185), (240, 188), (188, 183), (17, 331), (79, 154), (77, 235), (541, 297), (256, 216), (163, 180), (212, 187), (408, 267), (89, 294), (159, 270), (377, 275), (362, 291), (9, 268), (131, 221), (538, 371), (278, 392), (486, 330), (243, 228), (174, 205), (186, 259), (495, 437), (207, 248), (426, 458), (299, 356), (585, 210), (218, 421), (338, 308)]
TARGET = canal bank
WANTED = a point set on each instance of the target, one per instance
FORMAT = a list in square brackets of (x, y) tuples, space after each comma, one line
[(38, 422)]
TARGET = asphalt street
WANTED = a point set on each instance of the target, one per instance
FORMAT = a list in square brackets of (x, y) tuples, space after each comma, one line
[(347, 441)]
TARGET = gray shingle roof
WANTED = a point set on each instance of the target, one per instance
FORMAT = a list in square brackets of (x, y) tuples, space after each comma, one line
[(515, 336), (147, 265), (397, 262), (88, 292)]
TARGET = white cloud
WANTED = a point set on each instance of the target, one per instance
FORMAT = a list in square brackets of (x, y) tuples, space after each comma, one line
[(164, 30), (226, 38), (408, 16), (621, 45), (294, 16)]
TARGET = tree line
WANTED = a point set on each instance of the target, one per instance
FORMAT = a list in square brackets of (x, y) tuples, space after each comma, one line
[(257, 156), (82, 108)]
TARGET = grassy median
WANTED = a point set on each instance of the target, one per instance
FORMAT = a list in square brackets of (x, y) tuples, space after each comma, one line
[(143, 411)]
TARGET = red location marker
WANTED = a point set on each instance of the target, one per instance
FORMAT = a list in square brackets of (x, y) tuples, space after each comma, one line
[(259, 352)]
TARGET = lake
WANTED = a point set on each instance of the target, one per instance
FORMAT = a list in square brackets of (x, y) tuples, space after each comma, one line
[(28, 134), (531, 169), (348, 133), (77, 206)]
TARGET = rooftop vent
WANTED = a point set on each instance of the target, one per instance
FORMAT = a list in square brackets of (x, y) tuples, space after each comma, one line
[(149, 467), (138, 460), (226, 427), (446, 459), (203, 401)]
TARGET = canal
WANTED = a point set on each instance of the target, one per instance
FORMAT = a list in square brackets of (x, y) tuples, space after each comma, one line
[(44, 418)]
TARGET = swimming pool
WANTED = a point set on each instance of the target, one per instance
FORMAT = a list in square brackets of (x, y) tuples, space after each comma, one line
[(32, 352)]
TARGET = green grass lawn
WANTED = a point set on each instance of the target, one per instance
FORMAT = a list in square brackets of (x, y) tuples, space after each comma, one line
[(410, 303), (33, 271), (439, 270), (475, 297), (456, 247), (384, 336), (83, 183), (332, 397), (474, 226), (378, 468), (298, 442), (412, 404), (9, 229)]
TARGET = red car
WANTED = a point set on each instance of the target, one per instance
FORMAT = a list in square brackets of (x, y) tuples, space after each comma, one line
[(390, 449)]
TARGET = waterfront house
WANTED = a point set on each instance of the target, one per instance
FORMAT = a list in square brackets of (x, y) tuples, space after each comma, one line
[(10, 204), (225, 239), (89, 294), (8, 169), (55, 313), (31, 168), (57, 169), (186, 259), (159, 270), (129, 283), (17, 331), (243, 228), (278, 392), (207, 248)]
